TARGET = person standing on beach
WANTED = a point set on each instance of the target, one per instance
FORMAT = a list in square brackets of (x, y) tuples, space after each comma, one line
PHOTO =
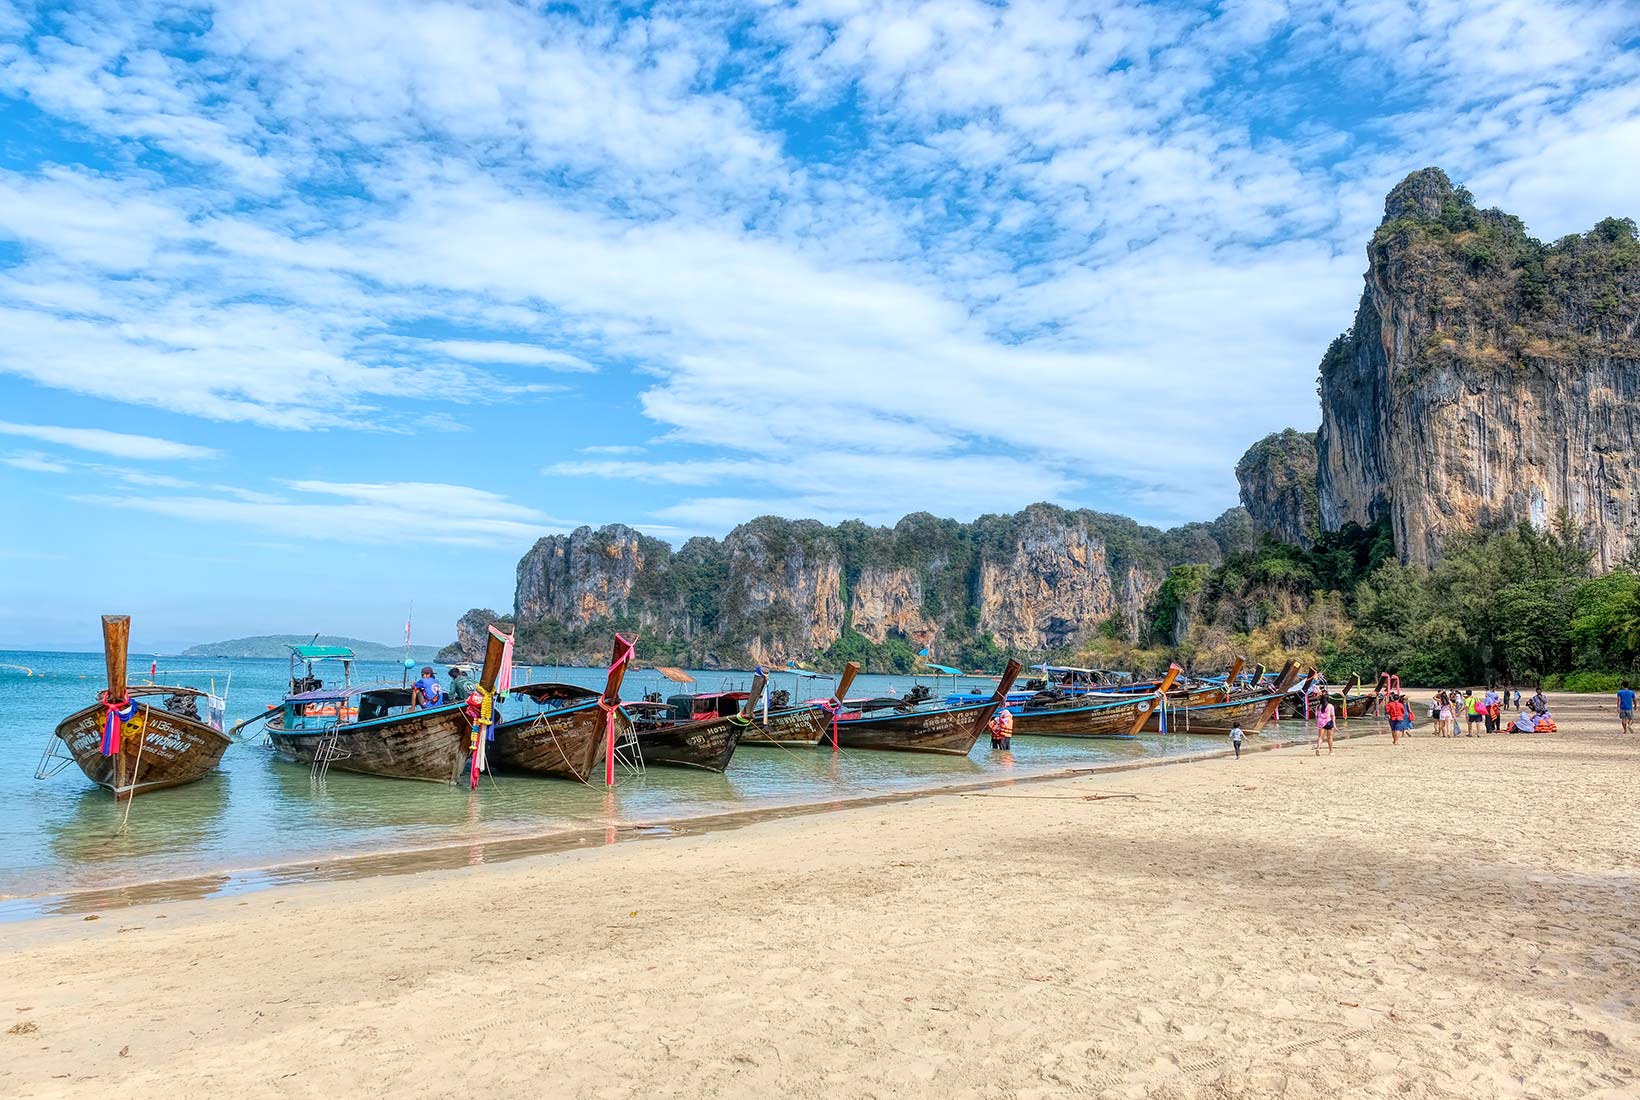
[(1471, 709), (1448, 718), (1625, 707), (1236, 737), (1396, 711), (1325, 721)]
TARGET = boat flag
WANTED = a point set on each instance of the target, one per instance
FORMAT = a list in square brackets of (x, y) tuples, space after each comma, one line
[(153, 669)]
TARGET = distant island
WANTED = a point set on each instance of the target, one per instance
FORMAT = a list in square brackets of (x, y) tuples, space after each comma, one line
[(277, 645)]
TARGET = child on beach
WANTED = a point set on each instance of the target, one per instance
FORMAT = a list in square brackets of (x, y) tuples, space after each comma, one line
[(1325, 719), (1236, 737)]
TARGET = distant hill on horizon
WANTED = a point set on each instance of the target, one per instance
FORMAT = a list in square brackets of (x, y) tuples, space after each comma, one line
[(277, 645)]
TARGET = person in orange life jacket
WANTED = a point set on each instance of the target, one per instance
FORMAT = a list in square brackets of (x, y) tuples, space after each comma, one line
[(1002, 729), (427, 691)]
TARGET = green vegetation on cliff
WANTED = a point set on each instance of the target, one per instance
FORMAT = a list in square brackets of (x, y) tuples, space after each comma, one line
[(1517, 605)]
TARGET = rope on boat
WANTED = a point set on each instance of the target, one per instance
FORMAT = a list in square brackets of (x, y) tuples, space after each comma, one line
[(541, 720), (136, 765)]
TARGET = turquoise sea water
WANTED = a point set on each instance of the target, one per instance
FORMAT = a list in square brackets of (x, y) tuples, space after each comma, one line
[(63, 834)]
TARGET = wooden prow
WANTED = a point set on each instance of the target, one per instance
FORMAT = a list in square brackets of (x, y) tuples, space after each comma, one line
[(1010, 673), (116, 641), (999, 697), (755, 697), (1156, 700), (495, 644), (1284, 683), (846, 681), (624, 645), (1230, 680)]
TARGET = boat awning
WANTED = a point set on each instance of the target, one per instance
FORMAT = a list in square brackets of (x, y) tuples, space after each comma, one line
[(321, 652), (555, 693), (946, 669), (676, 675)]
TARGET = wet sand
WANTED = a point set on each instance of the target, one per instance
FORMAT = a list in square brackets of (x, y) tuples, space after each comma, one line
[(1446, 918)]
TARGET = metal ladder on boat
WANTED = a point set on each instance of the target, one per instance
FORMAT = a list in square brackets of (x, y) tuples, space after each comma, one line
[(627, 753), (53, 758), (328, 749)]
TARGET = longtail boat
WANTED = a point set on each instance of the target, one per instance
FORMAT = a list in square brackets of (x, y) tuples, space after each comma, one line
[(949, 730), (566, 734), (131, 746), (1251, 712), (801, 726), (1080, 718), (691, 739), (1350, 703), (373, 729)]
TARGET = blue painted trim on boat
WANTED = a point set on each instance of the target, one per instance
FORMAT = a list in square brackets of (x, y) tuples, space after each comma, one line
[(863, 720)]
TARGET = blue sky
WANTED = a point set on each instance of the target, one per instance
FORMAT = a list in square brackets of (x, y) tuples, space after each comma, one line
[(312, 310)]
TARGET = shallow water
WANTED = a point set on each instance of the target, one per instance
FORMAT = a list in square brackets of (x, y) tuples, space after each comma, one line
[(63, 834)]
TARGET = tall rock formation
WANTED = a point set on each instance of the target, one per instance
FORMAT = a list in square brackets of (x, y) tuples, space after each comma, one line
[(1488, 379), (775, 590), (1278, 486)]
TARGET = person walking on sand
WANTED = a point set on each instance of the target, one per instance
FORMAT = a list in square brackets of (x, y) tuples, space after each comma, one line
[(1236, 738), (1625, 707), (1395, 711), (1325, 721)]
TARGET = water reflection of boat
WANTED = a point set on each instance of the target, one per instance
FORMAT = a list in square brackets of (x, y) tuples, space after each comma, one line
[(126, 743), (690, 740), (566, 734), (92, 831), (802, 726), (950, 730)]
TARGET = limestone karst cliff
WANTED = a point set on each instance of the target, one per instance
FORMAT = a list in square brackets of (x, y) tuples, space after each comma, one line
[(775, 590), (1277, 476), (1488, 379)]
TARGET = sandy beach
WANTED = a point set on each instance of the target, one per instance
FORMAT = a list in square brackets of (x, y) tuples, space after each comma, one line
[(1444, 919)]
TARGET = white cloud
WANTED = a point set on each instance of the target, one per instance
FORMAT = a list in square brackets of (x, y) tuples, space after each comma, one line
[(950, 253), (101, 441), (373, 513), (500, 351), (35, 463)]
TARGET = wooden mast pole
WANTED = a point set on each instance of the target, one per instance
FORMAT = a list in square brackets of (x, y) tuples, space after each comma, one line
[(116, 631), (620, 656), (1173, 671), (850, 671)]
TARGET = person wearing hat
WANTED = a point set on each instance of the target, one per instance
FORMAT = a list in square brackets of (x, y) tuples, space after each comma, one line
[(461, 681), (427, 691)]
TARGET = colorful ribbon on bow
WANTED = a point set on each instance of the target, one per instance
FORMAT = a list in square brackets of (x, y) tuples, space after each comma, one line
[(483, 732), (834, 711), (115, 716)]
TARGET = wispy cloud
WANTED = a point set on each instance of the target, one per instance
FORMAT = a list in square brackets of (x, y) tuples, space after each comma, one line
[(500, 351), (321, 511), (101, 441), (854, 258)]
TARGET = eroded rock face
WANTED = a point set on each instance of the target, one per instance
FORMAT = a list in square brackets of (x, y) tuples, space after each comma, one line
[(1278, 486), (1488, 379), (775, 590), (472, 636), (888, 602), (580, 577), (1052, 589)]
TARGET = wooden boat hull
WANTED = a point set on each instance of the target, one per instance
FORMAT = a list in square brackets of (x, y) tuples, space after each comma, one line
[(174, 750), (1356, 706), (949, 732), (567, 742), (428, 744), (708, 744), (798, 727), (1107, 720), (1215, 719)]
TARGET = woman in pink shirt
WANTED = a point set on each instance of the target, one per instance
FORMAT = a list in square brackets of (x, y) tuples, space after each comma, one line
[(1325, 719)]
